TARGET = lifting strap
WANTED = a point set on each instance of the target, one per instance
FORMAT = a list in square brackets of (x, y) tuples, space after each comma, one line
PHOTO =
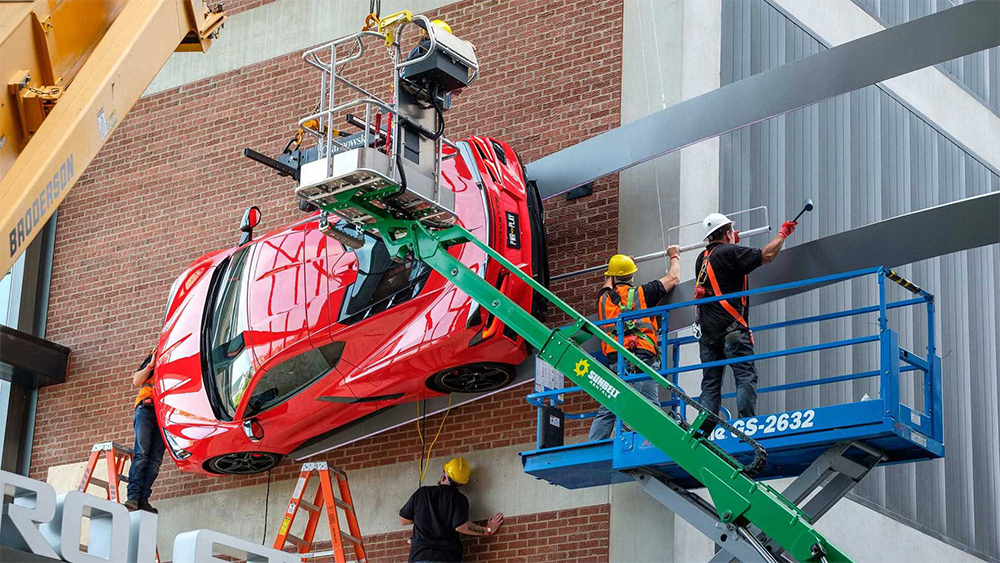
[(707, 268)]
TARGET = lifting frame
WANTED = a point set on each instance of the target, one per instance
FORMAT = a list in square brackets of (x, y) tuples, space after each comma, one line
[(408, 209)]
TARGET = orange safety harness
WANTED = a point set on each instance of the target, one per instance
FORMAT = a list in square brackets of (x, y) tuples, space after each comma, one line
[(706, 268)]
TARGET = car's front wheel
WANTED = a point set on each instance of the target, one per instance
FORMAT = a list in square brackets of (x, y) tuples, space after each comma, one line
[(242, 463), (473, 378)]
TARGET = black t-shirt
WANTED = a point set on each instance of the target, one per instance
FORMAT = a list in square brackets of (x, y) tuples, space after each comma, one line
[(436, 512), (731, 263)]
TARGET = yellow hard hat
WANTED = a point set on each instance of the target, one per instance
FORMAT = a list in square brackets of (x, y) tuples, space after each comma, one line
[(620, 265), (458, 470), (442, 24)]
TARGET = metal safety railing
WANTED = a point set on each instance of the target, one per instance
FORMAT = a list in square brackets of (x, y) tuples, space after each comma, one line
[(889, 351), (325, 123)]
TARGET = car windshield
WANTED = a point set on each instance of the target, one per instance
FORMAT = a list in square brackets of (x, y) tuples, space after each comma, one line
[(229, 360), (382, 283)]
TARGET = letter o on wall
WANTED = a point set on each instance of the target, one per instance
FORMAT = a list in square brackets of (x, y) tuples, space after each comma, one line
[(109, 529)]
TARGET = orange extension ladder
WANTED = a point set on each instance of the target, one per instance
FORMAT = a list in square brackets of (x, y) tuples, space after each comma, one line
[(115, 456), (325, 498)]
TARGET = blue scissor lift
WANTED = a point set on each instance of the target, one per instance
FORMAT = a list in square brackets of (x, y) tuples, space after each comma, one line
[(829, 449)]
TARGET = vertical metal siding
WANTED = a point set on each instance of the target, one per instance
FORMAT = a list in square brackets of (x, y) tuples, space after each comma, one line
[(979, 72), (863, 157)]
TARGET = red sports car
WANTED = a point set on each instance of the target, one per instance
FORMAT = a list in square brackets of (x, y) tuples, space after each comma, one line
[(284, 339)]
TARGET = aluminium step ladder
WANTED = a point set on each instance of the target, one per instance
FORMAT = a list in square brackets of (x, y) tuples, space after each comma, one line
[(324, 501)]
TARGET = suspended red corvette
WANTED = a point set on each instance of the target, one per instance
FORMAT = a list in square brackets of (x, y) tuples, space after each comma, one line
[(293, 335)]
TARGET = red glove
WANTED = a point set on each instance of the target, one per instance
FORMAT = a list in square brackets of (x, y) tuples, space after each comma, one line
[(787, 228), (736, 235)]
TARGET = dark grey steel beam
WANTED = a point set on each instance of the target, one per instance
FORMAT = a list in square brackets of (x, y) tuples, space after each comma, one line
[(31, 361), (909, 238), (949, 34)]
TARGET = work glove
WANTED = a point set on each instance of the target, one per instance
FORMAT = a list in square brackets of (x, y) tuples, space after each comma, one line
[(787, 228), (736, 236)]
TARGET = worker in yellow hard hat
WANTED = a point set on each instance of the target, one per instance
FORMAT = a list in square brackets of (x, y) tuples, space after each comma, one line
[(442, 24), (641, 337), (440, 513)]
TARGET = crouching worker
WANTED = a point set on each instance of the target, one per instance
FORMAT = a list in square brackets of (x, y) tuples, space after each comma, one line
[(149, 447), (619, 295), (439, 514)]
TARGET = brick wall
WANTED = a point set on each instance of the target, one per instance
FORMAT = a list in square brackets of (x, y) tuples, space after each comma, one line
[(578, 535), (171, 185)]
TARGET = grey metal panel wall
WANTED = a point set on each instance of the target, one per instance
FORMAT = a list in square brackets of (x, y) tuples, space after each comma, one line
[(979, 73), (863, 157)]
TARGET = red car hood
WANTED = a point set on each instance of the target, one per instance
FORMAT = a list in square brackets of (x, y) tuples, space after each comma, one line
[(179, 383)]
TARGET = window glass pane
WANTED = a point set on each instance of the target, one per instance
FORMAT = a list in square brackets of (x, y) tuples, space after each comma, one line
[(382, 283), (230, 362), (291, 376)]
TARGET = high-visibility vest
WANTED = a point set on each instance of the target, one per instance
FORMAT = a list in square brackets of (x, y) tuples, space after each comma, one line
[(707, 271), (640, 334)]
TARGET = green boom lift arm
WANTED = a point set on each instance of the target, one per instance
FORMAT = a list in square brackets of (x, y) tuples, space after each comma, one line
[(738, 498)]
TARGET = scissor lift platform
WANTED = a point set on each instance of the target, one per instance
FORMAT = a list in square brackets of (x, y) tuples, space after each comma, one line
[(828, 449), (789, 453)]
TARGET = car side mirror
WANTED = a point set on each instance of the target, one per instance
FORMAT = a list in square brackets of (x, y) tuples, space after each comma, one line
[(253, 429), (251, 218)]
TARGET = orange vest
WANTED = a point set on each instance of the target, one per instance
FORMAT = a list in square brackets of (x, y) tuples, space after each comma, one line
[(146, 390), (639, 333)]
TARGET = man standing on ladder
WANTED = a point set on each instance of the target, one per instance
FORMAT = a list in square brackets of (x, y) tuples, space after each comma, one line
[(439, 514), (619, 295), (149, 447), (724, 333)]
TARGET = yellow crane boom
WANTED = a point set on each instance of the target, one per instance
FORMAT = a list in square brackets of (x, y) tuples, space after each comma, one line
[(72, 70)]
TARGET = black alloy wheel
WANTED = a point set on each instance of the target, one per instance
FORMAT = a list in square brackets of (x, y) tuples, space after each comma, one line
[(473, 378), (243, 463)]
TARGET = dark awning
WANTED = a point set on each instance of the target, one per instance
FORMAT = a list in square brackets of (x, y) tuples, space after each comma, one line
[(31, 361)]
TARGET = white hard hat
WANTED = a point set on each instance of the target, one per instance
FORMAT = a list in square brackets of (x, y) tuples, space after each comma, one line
[(714, 222)]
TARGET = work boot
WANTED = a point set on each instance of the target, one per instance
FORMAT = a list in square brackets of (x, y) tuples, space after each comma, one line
[(144, 505), (132, 504)]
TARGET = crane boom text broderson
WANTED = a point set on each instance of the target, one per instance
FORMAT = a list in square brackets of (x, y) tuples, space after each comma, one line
[(41, 204)]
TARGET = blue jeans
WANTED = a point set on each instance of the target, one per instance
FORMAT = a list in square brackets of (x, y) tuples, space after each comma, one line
[(735, 344), (604, 422), (147, 454)]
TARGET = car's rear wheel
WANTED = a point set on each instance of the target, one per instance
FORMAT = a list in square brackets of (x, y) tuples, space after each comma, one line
[(243, 463), (473, 378)]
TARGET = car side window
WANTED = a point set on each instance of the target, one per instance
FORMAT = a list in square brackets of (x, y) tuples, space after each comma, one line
[(284, 380), (382, 283)]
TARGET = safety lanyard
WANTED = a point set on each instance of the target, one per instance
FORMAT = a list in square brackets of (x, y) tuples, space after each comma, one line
[(706, 267)]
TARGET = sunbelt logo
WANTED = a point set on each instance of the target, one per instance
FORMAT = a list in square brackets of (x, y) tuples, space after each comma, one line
[(582, 368)]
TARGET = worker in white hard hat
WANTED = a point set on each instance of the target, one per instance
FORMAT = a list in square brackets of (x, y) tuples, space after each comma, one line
[(440, 513), (641, 337), (723, 268)]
